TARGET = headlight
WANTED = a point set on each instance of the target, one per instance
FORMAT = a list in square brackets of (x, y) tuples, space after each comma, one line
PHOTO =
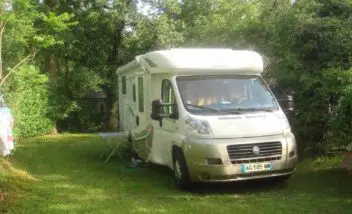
[(285, 123), (201, 126), (287, 126)]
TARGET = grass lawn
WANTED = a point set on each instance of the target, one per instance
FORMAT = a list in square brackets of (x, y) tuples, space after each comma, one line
[(64, 174)]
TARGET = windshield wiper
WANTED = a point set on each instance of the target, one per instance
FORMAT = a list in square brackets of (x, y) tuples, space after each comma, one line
[(253, 109), (232, 111), (202, 107)]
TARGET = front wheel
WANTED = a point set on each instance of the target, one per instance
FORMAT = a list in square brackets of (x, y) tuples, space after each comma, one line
[(181, 171)]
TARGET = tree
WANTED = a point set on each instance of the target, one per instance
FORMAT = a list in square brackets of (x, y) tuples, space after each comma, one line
[(91, 53), (310, 56), (18, 29), (24, 32)]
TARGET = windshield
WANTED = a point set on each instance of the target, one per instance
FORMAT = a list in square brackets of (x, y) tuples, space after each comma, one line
[(219, 94)]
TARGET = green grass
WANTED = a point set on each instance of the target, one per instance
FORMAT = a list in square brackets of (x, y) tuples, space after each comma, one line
[(66, 175)]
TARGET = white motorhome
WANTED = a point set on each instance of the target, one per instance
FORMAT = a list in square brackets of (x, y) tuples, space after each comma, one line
[(207, 114)]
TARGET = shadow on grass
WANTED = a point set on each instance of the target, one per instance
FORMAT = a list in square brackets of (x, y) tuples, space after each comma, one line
[(330, 182), (73, 178), (238, 187)]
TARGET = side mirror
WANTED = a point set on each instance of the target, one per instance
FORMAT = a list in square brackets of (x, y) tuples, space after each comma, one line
[(286, 103), (157, 110)]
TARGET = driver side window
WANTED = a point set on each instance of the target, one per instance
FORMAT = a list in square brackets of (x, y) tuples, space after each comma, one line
[(168, 97)]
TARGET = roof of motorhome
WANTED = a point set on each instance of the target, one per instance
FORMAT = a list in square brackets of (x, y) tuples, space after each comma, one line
[(201, 59)]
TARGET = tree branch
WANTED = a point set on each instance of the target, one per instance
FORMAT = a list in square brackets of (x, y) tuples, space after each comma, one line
[(275, 2), (2, 29), (27, 58)]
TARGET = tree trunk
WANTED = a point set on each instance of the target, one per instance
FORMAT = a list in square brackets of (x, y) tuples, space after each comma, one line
[(2, 29), (52, 68), (110, 90), (347, 162)]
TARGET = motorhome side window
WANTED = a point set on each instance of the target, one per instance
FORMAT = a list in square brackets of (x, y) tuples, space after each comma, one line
[(140, 94), (123, 84), (134, 93), (168, 96)]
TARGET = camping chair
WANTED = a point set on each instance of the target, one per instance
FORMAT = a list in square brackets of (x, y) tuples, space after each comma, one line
[(113, 140)]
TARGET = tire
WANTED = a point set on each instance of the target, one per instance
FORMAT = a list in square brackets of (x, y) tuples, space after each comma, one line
[(181, 174)]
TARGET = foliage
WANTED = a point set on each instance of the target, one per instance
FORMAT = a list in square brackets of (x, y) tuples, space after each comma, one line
[(309, 56), (92, 51), (82, 81), (28, 98), (24, 31), (72, 85), (341, 121), (220, 23), (349, 147)]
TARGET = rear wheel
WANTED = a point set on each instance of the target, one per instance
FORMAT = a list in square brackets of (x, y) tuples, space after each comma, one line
[(181, 171)]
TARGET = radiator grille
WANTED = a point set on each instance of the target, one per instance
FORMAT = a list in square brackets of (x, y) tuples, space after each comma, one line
[(245, 151), (256, 160)]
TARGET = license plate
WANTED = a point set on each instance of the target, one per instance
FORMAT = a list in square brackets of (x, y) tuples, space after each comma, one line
[(256, 167)]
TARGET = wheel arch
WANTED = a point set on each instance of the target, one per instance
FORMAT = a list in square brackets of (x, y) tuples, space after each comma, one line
[(177, 147)]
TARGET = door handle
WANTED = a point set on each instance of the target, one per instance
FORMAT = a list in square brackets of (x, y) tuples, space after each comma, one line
[(137, 120)]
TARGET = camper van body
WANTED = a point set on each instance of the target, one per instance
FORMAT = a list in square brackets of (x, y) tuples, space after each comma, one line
[(170, 123)]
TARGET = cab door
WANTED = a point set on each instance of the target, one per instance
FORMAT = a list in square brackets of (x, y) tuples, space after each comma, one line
[(167, 129)]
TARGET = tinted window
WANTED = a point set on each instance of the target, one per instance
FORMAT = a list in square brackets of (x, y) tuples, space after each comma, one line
[(123, 83), (168, 96), (140, 94), (134, 93)]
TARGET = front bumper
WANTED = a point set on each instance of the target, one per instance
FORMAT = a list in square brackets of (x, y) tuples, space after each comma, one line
[(197, 151)]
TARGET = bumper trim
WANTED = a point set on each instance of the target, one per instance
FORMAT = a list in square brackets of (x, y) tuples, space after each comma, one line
[(247, 176)]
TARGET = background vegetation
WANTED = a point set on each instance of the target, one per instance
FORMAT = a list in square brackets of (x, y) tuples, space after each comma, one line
[(55, 53)]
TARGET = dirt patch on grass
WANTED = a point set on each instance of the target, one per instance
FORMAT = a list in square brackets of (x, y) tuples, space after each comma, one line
[(13, 182)]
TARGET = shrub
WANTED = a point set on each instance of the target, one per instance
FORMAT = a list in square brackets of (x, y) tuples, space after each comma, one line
[(27, 95), (341, 121)]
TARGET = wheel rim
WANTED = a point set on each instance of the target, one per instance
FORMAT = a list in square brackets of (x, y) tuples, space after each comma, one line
[(178, 173)]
